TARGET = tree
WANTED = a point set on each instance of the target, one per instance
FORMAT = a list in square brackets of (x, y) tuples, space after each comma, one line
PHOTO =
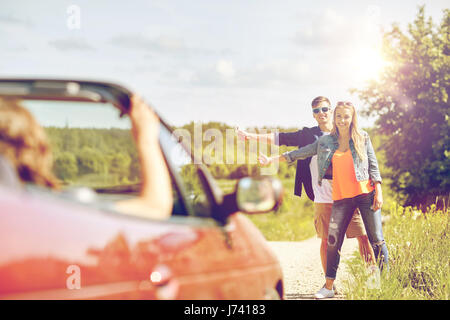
[(119, 164), (65, 166), (90, 161), (134, 167), (411, 101)]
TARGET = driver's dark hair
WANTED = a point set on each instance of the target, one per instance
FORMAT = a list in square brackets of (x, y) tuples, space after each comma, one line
[(317, 100)]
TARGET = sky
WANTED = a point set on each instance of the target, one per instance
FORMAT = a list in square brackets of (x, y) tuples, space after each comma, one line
[(74, 114), (242, 62)]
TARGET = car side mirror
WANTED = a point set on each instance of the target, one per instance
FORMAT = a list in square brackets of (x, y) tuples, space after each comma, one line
[(258, 195)]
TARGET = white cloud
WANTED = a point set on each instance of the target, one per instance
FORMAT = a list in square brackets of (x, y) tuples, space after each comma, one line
[(332, 29), (223, 73), (225, 69), (11, 20), (161, 44), (283, 70), (71, 44)]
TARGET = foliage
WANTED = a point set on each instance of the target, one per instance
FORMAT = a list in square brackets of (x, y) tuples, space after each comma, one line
[(418, 256), (97, 157), (292, 221), (231, 158), (411, 102), (90, 161), (66, 167)]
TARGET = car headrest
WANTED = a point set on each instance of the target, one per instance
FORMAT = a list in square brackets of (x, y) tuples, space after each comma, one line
[(8, 175)]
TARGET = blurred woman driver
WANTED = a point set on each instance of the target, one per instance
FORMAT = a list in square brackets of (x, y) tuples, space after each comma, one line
[(24, 144)]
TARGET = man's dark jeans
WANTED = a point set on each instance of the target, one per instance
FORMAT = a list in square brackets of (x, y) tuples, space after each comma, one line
[(341, 215)]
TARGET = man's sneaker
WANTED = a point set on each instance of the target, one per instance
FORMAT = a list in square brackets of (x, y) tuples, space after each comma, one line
[(324, 293)]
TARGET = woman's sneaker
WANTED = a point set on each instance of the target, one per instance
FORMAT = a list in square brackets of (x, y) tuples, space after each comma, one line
[(324, 293)]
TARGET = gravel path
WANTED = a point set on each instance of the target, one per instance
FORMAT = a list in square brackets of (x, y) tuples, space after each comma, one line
[(302, 269)]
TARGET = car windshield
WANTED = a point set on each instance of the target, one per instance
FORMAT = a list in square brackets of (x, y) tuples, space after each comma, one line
[(92, 146), (93, 150)]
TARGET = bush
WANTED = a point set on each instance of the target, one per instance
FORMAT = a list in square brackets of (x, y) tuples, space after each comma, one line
[(65, 166), (219, 171), (244, 170), (90, 161)]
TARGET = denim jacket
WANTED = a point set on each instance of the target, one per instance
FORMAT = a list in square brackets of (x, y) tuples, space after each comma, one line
[(326, 146)]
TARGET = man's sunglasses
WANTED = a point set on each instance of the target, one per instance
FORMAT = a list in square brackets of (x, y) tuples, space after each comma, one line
[(324, 109)]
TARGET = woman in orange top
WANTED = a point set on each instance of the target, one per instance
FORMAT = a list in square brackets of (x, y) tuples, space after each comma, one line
[(356, 184)]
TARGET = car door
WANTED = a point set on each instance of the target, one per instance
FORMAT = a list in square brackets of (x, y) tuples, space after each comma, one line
[(221, 264), (58, 249)]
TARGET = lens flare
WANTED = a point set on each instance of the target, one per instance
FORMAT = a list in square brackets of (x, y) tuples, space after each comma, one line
[(368, 64)]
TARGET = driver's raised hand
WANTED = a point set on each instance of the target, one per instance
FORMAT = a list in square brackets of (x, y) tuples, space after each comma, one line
[(143, 118)]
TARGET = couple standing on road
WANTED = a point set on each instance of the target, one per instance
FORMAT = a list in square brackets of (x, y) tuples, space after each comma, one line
[(338, 168)]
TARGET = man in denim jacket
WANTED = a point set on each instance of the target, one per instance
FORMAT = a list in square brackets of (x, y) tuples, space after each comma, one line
[(307, 176)]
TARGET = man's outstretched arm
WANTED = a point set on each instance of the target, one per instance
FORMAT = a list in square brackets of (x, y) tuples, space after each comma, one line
[(290, 139), (268, 138)]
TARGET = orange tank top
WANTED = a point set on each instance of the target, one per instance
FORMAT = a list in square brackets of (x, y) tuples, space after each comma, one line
[(345, 184)]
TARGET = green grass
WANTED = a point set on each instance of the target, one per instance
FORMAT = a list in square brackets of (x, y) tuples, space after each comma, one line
[(419, 257), (418, 244), (292, 221)]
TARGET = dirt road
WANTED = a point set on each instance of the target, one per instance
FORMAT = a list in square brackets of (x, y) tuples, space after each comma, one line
[(302, 269)]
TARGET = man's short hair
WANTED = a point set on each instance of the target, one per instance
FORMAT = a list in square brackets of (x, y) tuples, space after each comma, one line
[(318, 100)]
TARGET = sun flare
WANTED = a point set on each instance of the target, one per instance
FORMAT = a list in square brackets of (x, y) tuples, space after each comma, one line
[(368, 64)]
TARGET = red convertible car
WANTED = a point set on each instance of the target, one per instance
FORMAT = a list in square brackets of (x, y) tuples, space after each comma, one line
[(72, 244)]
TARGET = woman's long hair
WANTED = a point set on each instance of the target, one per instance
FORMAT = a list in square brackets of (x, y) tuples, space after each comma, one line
[(356, 134), (24, 144)]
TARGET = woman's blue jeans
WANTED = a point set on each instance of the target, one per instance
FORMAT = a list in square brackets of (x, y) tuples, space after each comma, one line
[(341, 215)]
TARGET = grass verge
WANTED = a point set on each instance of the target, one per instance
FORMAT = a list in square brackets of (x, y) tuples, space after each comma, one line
[(292, 221), (419, 258)]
